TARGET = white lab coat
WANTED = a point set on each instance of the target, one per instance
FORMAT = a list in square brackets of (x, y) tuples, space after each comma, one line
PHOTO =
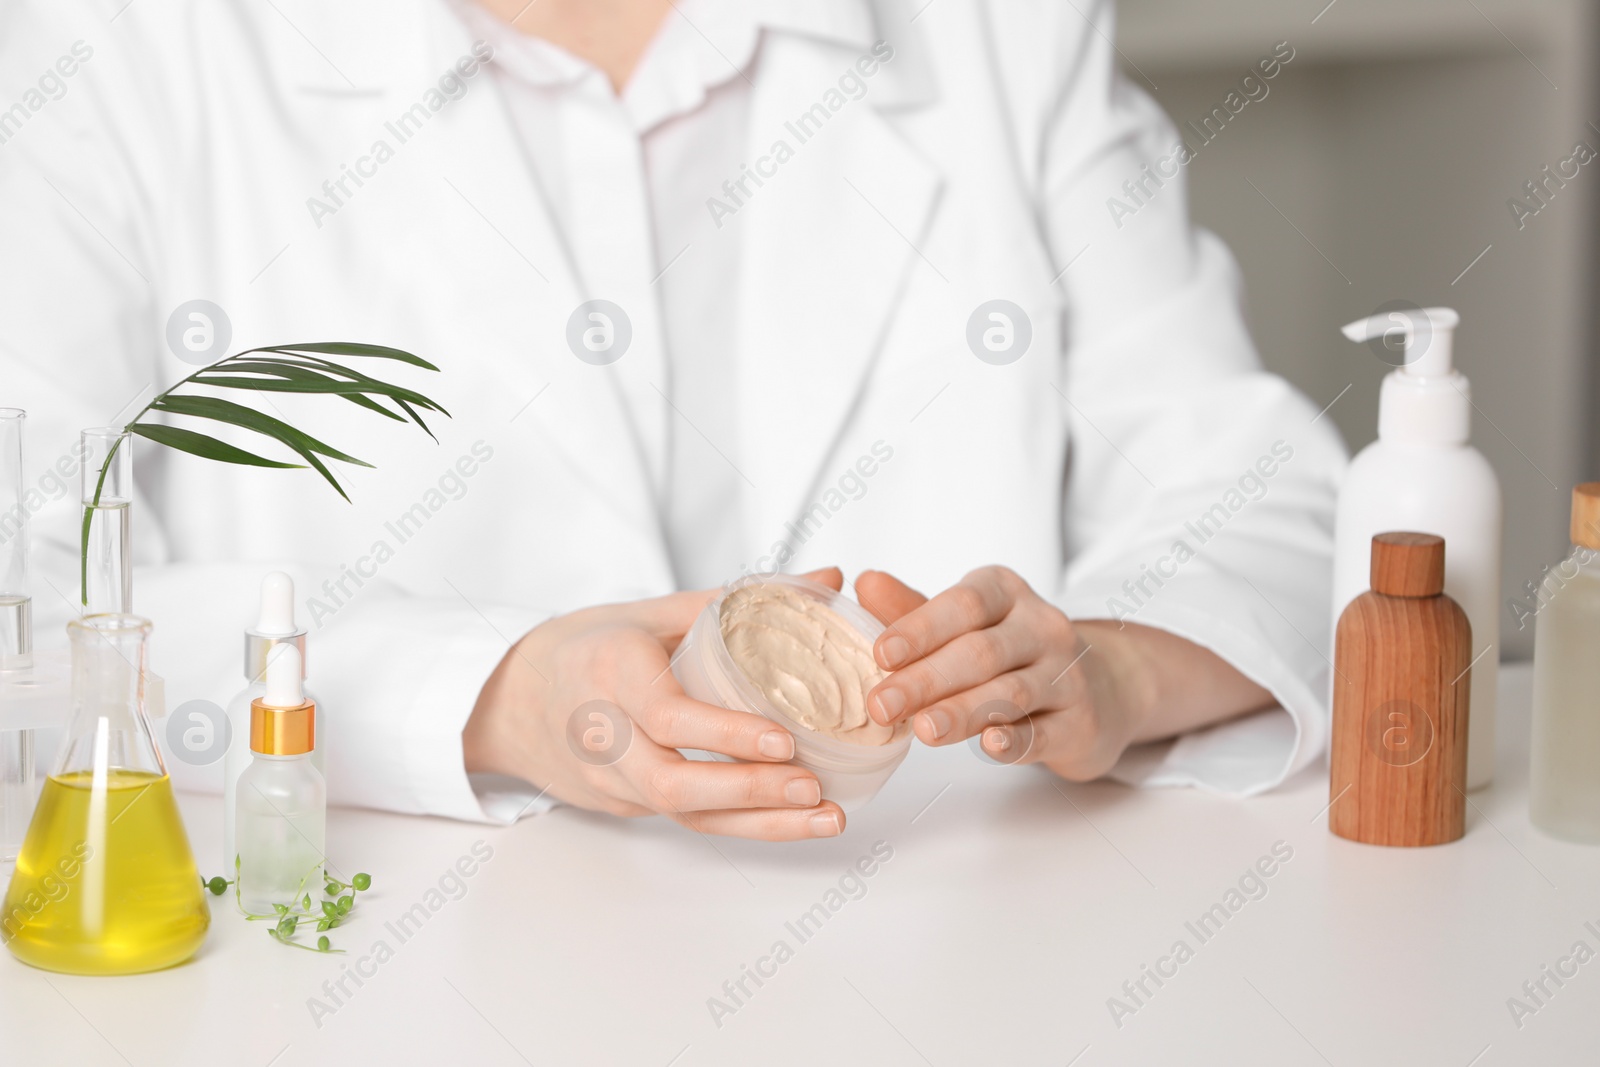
[(178, 163)]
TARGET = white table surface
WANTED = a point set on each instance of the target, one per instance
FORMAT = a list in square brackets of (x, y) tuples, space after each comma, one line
[(1013, 907)]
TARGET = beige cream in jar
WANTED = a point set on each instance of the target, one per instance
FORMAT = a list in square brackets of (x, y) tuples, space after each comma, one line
[(806, 659), (800, 654)]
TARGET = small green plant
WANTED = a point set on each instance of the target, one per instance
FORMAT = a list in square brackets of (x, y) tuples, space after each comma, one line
[(287, 919), (278, 369)]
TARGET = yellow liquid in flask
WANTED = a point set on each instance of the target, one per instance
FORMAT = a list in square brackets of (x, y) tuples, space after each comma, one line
[(105, 882)]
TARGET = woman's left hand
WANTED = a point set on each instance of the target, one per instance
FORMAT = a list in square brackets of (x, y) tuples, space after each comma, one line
[(990, 656)]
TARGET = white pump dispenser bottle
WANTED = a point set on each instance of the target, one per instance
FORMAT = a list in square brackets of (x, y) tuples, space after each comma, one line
[(275, 626), (1422, 475)]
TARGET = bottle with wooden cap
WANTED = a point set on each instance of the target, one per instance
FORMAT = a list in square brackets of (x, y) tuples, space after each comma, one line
[(1401, 701), (1422, 473), (283, 803), (1564, 786)]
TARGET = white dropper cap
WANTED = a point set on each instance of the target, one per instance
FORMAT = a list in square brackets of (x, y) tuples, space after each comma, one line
[(277, 606), (1426, 400), (274, 626), (283, 678)]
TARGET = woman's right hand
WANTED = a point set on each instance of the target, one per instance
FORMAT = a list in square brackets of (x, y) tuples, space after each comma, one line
[(586, 706)]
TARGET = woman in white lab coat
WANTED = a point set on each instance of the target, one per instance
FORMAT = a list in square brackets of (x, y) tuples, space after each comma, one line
[(863, 304)]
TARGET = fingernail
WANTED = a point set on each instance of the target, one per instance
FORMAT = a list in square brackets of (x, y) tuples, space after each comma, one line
[(826, 824), (891, 702), (997, 739), (938, 722), (894, 650), (803, 793), (775, 744)]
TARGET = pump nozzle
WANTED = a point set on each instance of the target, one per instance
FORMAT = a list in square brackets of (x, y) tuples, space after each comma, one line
[(283, 678), (1425, 400), (1422, 336)]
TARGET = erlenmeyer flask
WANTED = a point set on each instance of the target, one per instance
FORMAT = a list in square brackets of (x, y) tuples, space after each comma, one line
[(106, 883)]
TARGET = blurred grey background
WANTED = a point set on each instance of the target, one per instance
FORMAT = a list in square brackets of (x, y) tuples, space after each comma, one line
[(1382, 162)]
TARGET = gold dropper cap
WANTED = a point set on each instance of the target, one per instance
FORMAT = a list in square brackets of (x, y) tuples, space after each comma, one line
[(282, 731), (1586, 515), (283, 720)]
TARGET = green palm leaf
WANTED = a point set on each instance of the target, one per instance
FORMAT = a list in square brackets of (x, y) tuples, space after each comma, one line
[(409, 410), (346, 348), (322, 370), (372, 405), (210, 407), (225, 411), (295, 371), (199, 444), (329, 368), (307, 381), (296, 368)]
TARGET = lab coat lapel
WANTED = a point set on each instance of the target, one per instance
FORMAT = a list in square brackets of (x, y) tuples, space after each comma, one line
[(830, 245), (523, 284)]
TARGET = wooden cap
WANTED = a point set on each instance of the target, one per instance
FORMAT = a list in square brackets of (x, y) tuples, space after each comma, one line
[(1586, 515), (1407, 564)]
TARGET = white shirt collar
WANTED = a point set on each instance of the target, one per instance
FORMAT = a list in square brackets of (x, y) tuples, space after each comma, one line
[(701, 44)]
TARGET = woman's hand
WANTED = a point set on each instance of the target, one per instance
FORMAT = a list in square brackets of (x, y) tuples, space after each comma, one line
[(586, 706), (990, 656)]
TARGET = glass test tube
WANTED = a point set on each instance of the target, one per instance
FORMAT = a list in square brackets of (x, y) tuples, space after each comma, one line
[(107, 572), (17, 769)]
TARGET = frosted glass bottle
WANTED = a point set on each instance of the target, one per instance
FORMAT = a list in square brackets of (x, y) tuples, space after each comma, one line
[(275, 626), (281, 821), (1564, 780)]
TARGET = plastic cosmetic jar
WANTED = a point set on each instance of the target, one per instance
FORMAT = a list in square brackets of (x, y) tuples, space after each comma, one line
[(850, 774)]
